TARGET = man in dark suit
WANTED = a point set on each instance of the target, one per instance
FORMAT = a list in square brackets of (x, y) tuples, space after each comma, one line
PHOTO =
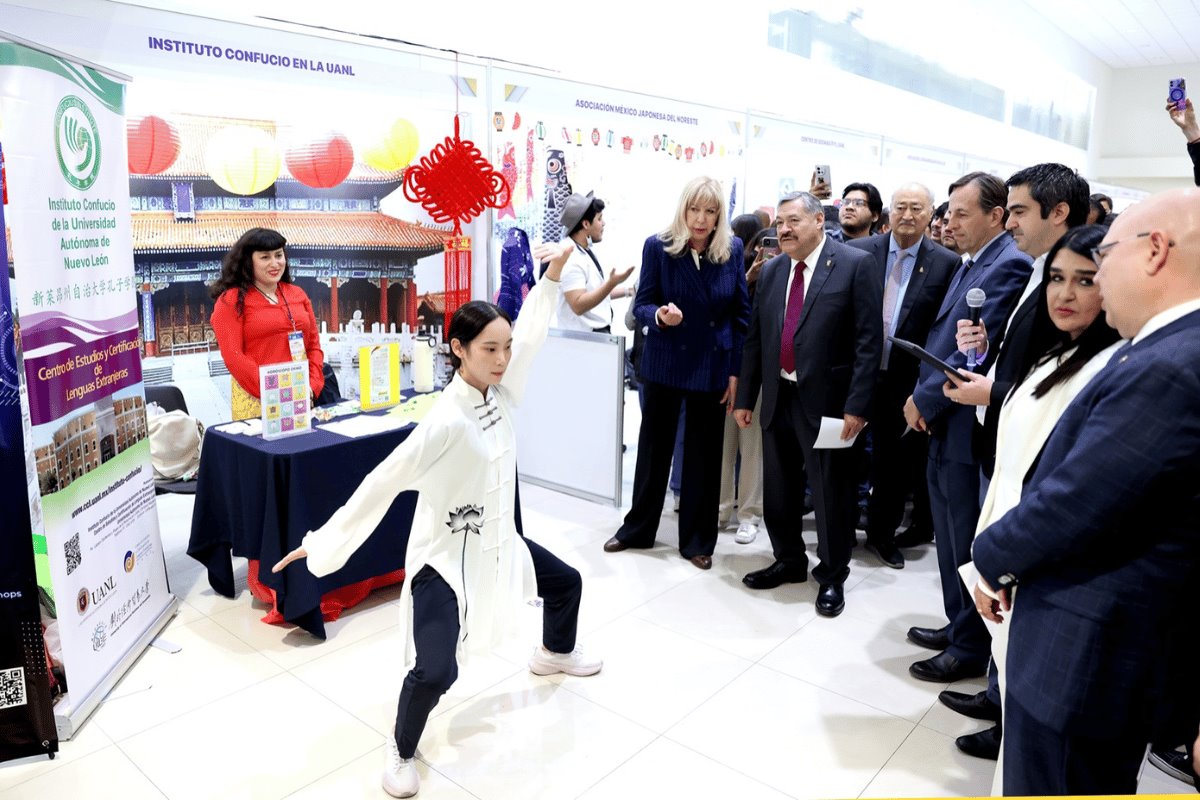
[(976, 218), (1105, 543), (914, 273), (1044, 202), (813, 347)]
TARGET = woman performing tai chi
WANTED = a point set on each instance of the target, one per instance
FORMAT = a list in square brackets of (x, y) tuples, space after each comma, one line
[(469, 571)]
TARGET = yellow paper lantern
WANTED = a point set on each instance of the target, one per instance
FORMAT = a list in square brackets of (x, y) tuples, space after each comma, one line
[(395, 149), (242, 160)]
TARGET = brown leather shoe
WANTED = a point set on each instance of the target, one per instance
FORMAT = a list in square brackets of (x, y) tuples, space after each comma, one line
[(615, 545), (703, 562)]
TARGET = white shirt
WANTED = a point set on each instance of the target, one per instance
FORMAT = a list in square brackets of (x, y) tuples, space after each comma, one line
[(580, 272), (813, 258), (1035, 280), (461, 459), (1164, 318)]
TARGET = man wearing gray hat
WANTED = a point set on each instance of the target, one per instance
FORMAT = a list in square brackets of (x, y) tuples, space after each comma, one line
[(585, 290)]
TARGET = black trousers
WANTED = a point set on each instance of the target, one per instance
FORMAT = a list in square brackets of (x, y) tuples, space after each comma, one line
[(700, 486), (897, 463), (1039, 760), (435, 634), (788, 453)]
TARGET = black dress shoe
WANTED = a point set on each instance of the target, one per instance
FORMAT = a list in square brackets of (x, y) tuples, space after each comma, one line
[(703, 562), (889, 554), (975, 706), (831, 600), (985, 744), (932, 638), (775, 575), (615, 545), (912, 536), (1175, 763), (945, 668)]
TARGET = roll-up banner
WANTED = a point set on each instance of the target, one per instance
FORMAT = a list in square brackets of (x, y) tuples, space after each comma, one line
[(26, 705), (95, 533)]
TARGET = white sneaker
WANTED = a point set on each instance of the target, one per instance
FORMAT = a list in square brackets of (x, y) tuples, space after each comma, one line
[(400, 778), (574, 663), (746, 533)]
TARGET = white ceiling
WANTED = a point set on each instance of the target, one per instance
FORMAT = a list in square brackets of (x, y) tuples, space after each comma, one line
[(1130, 33)]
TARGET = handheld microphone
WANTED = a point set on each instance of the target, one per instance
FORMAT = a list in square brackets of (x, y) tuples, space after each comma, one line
[(975, 298)]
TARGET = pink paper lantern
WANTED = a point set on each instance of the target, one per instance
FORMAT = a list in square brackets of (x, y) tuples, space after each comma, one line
[(321, 161), (153, 145)]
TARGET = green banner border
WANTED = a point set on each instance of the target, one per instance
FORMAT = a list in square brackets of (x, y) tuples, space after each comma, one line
[(109, 92)]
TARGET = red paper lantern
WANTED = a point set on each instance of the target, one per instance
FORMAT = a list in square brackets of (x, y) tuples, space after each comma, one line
[(153, 145), (322, 161)]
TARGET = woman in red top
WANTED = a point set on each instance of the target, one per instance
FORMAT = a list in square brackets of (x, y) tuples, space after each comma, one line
[(256, 313)]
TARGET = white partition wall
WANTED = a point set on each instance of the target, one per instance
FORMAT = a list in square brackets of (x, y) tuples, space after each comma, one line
[(571, 419)]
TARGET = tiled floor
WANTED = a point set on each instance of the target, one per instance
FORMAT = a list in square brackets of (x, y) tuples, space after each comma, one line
[(709, 690)]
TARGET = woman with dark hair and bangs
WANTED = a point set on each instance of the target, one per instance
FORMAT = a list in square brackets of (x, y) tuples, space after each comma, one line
[(261, 317), (1071, 342), (469, 572)]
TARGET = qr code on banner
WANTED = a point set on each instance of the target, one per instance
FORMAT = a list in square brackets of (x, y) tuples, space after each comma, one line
[(12, 687), (73, 553)]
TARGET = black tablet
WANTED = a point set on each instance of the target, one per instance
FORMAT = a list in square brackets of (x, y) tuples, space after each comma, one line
[(924, 355)]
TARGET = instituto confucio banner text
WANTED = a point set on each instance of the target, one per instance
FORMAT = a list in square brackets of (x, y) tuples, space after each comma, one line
[(65, 154)]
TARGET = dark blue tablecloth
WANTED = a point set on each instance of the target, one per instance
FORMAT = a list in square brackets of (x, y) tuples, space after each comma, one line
[(257, 499)]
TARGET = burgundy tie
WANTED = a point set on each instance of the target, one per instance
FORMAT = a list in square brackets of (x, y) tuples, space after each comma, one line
[(791, 320)]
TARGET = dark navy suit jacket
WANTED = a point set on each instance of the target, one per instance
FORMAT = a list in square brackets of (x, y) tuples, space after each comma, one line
[(701, 353), (1002, 271), (1105, 543), (934, 267), (838, 343)]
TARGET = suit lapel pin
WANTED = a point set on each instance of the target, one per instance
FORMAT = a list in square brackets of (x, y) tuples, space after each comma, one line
[(829, 262), (1124, 359)]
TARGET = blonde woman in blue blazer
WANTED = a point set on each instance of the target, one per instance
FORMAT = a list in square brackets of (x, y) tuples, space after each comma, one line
[(693, 302)]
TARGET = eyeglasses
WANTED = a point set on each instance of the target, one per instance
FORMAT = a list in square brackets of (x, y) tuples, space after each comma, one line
[(1099, 253), (853, 201)]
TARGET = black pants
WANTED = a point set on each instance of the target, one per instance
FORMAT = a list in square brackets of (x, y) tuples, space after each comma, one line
[(435, 634), (897, 464), (788, 453), (700, 487), (1039, 760), (954, 496)]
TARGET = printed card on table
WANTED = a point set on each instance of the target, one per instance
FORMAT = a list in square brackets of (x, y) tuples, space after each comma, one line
[(286, 394), (379, 375)]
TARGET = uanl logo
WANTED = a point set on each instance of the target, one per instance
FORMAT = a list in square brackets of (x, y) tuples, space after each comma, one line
[(81, 601), (101, 594), (130, 560), (77, 142)]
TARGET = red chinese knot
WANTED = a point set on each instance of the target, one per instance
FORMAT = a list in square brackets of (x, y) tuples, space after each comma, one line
[(455, 183)]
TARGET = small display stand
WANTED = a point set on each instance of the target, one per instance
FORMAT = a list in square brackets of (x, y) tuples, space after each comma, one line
[(379, 375), (286, 399)]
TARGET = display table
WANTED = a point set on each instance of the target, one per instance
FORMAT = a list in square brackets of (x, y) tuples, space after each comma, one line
[(257, 499)]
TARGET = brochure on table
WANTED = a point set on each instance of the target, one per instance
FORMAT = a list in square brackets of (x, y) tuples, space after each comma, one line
[(379, 375), (286, 399)]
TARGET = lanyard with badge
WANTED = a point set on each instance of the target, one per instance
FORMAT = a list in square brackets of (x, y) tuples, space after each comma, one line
[(295, 335)]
